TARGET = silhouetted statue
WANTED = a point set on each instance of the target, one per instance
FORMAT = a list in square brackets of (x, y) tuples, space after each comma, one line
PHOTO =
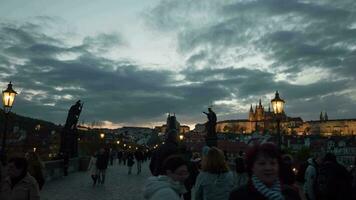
[(210, 125), (73, 115), (69, 135)]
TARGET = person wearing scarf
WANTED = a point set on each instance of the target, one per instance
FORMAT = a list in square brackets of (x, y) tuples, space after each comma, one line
[(263, 166)]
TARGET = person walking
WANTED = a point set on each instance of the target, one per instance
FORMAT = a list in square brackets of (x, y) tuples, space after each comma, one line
[(102, 165), (139, 159), (19, 184), (119, 157), (169, 183), (93, 169), (262, 162), (215, 181), (130, 161)]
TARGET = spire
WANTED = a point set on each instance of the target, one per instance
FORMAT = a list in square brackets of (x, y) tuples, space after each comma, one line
[(321, 116), (326, 118), (251, 109), (260, 104), (269, 107)]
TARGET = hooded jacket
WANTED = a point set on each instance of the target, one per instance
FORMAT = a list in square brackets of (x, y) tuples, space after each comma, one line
[(209, 186), (163, 188), (26, 188)]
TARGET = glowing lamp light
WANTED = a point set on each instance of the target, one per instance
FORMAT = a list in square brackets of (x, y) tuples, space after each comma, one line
[(118, 142), (8, 98), (181, 137), (277, 104), (34, 149), (102, 135)]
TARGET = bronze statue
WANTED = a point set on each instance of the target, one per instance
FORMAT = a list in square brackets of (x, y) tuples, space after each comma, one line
[(73, 115), (69, 135), (211, 123)]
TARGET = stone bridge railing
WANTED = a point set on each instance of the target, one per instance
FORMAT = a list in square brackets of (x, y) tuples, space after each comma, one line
[(54, 169)]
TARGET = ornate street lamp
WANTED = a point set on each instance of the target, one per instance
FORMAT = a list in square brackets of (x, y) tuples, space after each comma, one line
[(8, 98), (278, 109)]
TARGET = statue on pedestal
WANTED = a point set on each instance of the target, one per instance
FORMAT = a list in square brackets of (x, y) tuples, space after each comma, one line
[(69, 138), (210, 126)]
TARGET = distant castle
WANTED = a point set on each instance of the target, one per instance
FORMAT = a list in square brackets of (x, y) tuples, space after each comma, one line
[(262, 121)]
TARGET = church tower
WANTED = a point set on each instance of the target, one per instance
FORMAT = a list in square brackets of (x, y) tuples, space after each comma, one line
[(326, 118), (251, 116), (260, 112), (321, 117)]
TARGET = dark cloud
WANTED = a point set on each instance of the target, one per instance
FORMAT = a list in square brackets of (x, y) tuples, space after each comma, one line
[(117, 91), (235, 51), (292, 36)]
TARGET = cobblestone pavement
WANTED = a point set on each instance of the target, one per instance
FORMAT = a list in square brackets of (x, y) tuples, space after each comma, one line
[(118, 185)]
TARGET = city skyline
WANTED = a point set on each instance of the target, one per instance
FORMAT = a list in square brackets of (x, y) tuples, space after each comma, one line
[(133, 62)]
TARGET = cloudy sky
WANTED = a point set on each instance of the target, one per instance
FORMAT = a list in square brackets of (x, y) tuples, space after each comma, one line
[(133, 61)]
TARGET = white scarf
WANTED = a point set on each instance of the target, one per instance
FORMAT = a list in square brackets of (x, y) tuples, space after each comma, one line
[(272, 193)]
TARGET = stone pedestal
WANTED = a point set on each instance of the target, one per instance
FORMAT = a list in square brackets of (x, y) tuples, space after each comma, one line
[(211, 141)]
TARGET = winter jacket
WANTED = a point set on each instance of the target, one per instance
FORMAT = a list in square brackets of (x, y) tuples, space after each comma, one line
[(102, 161), (25, 189), (209, 186), (92, 166), (249, 192), (333, 182), (310, 179), (163, 188)]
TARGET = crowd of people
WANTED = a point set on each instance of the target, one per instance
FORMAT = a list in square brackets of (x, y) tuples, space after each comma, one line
[(100, 160), (263, 172)]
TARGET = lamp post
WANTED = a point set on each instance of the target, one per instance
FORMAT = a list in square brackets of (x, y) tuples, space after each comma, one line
[(278, 109), (8, 98)]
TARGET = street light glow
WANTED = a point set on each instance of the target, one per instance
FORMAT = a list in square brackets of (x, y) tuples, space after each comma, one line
[(102, 135), (277, 104), (181, 137), (8, 97)]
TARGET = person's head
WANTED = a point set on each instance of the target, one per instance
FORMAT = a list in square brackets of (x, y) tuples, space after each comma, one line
[(263, 161), (17, 166), (214, 162), (287, 159), (176, 168), (330, 157)]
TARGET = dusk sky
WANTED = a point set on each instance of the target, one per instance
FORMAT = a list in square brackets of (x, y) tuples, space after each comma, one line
[(133, 61)]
